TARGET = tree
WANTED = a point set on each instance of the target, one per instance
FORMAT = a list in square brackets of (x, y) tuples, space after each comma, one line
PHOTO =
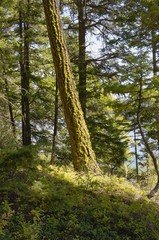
[(25, 72), (82, 153), (81, 6), (53, 152), (139, 30), (7, 73)]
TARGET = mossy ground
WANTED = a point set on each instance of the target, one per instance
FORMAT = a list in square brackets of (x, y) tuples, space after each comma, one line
[(57, 203)]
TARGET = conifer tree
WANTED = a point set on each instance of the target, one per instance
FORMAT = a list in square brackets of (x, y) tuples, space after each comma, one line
[(82, 153), (25, 71)]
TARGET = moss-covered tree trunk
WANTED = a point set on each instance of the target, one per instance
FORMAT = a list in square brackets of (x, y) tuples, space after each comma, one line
[(82, 153)]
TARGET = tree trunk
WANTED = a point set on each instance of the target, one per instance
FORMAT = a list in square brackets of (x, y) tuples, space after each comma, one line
[(136, 156), (82, 153), (25, 72), (53, 152), (12, 120), (155, 70), (146, 143), (82, 54)]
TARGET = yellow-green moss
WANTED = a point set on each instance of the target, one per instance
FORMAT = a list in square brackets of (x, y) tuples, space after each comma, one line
[(82, 153)]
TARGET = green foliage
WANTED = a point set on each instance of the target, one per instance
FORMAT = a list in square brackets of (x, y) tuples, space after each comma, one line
[(107, 128), (14, 166), (22, 157), (42, 202), (58, 203)]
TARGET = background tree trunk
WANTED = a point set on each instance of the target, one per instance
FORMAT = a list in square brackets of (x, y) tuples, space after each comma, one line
[(53, 152), (82, 153), (25, 71), (82, 54), (145, 141), (136, 155), (12, 120)]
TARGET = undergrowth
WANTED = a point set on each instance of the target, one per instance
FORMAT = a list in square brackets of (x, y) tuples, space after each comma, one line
[(39, 201)]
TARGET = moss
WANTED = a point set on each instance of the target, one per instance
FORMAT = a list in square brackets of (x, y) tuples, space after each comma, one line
[(82, 153)]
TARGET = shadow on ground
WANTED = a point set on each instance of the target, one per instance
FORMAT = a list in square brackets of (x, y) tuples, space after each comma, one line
[(59, 204)]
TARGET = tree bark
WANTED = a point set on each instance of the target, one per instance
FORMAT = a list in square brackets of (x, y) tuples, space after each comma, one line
[(25, 72), (12, 120), (82, 153), (155, 71), (136, 156), (53, 152), (82, 53)]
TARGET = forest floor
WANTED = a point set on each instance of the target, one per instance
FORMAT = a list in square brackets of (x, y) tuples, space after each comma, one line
[(57, 203)]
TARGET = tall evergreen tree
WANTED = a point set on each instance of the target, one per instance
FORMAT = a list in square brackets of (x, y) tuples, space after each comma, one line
[(81, 6), (24, 61), (82, 153), (139, 43)]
